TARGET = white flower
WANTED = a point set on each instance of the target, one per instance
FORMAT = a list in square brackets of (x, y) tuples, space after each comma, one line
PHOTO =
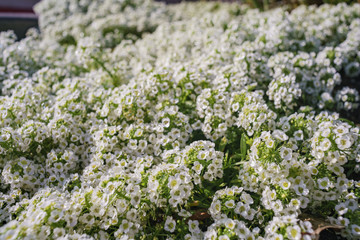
[(215, 207), (355, 230), (280, 135), (197, 167), (165, 122), (324, 183), (277, 237), (285, 184), (343, 221), (170, 224), (325, 144), (230, 203), (174, 183), (247, 199), (194, 226), (343, 142), (125, 226), (202, 155), (301, 189), (132, 144), (341, 208), (293, 232), (277, 206), (299, 135), (59, 232), (224, 237), (286, 153)]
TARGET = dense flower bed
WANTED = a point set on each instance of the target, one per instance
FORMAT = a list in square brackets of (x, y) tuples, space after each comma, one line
[(133, 119)]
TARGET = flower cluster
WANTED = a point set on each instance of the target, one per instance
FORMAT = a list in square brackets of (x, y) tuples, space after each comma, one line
[(348, 99), (135, 119)]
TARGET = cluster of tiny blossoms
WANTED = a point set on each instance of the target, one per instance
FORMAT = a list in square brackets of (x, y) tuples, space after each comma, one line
[(140, 120)]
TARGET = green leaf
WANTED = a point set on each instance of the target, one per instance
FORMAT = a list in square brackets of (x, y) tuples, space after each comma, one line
[(223, 144), (243, 146)]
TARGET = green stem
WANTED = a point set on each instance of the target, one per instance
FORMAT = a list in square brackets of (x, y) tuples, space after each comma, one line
[(103, 67)]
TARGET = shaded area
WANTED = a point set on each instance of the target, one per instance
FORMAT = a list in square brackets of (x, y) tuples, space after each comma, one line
[(18, 16), (20, 23)]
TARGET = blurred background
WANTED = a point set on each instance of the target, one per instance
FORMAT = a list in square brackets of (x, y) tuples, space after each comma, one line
[(19, 16)]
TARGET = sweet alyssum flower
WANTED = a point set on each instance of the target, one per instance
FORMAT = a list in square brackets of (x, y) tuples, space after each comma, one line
[(125, 119)]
